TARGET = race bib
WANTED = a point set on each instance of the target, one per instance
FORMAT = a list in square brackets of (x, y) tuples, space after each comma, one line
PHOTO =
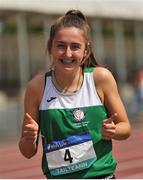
[(70, 155)]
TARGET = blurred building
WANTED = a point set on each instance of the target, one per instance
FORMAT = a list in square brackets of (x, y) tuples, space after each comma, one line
[(117, 28)]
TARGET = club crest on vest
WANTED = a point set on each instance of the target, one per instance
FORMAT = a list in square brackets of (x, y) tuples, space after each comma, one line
[(78, 115)]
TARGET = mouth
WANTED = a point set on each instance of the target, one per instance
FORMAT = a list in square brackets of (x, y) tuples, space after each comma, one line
[(65, 61)]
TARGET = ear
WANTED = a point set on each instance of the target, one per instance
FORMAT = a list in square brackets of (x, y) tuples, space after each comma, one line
[(85, 53), (87, 49), (84, 57)]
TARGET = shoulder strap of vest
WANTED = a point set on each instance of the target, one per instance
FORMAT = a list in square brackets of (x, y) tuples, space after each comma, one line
[(49, 73), (89, 70)]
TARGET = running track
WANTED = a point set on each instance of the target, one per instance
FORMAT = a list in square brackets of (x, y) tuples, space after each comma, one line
[(129, 155)]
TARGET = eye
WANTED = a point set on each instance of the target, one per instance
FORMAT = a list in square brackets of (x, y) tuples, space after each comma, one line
[(75, 46), (60, 46)]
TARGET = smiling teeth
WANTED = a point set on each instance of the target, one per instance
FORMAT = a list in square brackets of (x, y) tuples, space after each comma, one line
[(67, 61)]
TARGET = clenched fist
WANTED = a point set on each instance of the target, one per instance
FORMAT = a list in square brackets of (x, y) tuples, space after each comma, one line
[(109, 127)]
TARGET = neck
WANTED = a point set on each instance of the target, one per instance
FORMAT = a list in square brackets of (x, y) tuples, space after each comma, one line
[(68, 84)]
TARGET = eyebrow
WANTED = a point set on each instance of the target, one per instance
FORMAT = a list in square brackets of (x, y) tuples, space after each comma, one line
[(59, 41), (76, 43)]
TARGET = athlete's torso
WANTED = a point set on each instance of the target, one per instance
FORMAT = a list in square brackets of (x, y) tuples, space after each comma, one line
[(71, 129)]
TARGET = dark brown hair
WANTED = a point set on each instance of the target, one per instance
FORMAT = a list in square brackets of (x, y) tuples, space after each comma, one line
[(75, 18)]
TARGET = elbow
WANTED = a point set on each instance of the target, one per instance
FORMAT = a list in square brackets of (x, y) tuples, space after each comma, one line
[(127, 133), (123, 132)]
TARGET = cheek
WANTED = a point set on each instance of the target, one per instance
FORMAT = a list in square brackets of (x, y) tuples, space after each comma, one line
[(56, 52), (83, 54)]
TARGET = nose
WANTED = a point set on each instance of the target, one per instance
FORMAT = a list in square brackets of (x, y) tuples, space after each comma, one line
[(68, 52)]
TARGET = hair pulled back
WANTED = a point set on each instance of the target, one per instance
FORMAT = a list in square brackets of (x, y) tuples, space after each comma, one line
[(75, 18)]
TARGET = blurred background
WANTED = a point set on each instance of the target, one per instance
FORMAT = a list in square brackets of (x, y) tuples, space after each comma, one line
[(117, 29)]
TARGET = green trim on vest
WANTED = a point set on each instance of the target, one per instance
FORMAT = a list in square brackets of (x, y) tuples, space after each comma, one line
[(89, 70)]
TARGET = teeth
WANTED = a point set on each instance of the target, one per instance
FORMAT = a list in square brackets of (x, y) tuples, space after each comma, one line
[(67, 61)]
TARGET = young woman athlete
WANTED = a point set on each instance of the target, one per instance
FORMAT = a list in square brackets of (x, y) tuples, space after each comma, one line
[(75, 107)]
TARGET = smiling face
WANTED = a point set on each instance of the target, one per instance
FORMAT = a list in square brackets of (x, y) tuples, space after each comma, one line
[(68, 49)]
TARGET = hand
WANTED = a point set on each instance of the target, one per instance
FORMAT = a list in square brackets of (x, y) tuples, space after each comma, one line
[(30, 129), (109, 127)]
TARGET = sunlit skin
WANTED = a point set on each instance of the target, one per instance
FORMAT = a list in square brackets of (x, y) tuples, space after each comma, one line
[(68, 51)]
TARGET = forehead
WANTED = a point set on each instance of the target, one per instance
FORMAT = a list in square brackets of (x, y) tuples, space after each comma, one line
[(69, 33)]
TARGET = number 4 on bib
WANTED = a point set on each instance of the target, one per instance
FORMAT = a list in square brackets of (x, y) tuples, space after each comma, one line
[(67, 156)]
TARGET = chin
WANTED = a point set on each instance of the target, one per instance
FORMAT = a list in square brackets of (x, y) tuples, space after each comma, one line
[(69, 69)]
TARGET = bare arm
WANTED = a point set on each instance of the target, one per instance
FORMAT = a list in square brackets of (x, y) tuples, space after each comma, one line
[(29, 135), (117, 126)]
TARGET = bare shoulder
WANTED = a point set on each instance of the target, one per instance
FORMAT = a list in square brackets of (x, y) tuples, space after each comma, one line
[(36, 85), (36, 81), (103, 75)]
